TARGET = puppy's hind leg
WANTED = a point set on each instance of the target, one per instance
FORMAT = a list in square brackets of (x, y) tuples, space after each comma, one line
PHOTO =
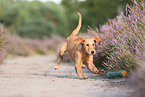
[(61, 52)]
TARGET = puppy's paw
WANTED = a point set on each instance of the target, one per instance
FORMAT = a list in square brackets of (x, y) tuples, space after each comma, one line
[(83, 77), (56, 67), (83, 66)]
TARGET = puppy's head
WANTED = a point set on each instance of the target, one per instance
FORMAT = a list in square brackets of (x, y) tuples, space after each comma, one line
[(89, 44)]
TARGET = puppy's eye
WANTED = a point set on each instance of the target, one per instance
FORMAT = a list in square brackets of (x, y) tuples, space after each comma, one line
[(93, 44), (87, 44)]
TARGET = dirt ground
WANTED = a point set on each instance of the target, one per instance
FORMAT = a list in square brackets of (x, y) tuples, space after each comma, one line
[(35, 76)]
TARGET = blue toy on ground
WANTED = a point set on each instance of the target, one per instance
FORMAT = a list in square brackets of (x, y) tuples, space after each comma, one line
[(119, 74)]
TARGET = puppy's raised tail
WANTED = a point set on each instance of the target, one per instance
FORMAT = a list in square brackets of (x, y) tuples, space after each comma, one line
[(76, 31)]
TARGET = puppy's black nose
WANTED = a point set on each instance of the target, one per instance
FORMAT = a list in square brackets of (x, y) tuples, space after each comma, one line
[(92, 52)]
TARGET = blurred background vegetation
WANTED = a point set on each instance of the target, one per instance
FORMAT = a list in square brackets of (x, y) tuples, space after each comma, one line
[(35, 19), (36, 27)]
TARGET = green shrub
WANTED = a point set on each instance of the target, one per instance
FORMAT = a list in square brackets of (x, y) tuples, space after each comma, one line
[(28, 19), (37, 28)]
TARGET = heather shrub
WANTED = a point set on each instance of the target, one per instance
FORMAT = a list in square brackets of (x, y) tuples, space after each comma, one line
[(2, 43), (24, 46), (122, 39), (16, 45), (137, 80)]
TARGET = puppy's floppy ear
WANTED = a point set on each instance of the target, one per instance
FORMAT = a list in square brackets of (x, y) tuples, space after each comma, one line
[(97, 39), (81, 40)]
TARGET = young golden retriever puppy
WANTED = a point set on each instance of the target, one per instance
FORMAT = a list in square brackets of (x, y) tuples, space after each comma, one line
[(81, 50)]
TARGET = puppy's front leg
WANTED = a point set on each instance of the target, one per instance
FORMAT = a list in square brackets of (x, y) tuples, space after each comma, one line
[(92, 67), (78, 60)]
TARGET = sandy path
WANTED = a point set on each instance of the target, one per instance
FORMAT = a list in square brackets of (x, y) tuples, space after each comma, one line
[(35, 76)]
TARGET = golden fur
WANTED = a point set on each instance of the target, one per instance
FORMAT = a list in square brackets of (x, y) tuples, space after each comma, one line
[(81, 50)]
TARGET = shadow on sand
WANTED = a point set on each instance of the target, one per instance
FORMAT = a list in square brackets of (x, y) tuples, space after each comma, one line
[(71, 74)]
